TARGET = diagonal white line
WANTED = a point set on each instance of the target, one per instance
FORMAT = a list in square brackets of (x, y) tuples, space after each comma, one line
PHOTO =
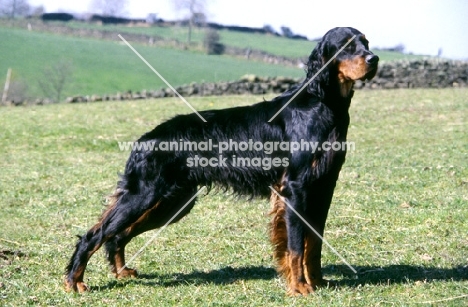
[(313, 77), (162, 78), (160, 230), (313, 229)]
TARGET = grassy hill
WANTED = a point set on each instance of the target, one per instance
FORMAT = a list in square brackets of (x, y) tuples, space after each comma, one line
[(280, 46), (106, 67), (101, 67), (275, 45)]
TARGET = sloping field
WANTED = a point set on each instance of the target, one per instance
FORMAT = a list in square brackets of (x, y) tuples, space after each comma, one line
[(105, 67)]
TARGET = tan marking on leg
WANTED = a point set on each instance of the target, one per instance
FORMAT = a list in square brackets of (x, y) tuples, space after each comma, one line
[(279, 235), (119, 259), (142, 219), (298, 284), (77, 284), (289, 266)]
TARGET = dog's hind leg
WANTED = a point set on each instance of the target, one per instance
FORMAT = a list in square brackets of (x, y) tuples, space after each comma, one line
[(125, 210), (115, 250), (154, 218), (115, 247)]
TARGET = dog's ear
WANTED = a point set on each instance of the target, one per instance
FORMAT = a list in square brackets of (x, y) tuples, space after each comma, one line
[(317, 59)]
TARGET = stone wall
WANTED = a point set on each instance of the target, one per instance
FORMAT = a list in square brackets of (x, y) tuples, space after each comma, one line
[(248, 84), (428, 73)]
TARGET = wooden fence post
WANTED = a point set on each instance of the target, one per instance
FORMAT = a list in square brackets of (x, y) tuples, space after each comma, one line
[(7, 85)]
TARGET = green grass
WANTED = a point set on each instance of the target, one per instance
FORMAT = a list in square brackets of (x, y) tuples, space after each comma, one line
[(279, 46), (106, 67), (398, 216)]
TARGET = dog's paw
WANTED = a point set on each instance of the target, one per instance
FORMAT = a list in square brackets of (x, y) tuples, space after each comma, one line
[(79, 286), (300, 288), (125, 273)]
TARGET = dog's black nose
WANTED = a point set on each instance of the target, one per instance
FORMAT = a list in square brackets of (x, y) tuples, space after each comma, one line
[(372, 59)]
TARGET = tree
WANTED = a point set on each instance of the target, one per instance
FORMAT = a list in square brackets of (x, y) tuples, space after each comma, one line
[(400, 48), (269, 29), (38, 10), (196, 9), (55, 78), (14, 8), (110, 7), (286, 31)]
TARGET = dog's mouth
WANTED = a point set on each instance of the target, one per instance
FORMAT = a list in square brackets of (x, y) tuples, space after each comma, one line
[(372, 62), (371, 72)]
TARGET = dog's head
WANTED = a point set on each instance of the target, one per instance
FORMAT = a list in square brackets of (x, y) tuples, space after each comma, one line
[(353, 62)]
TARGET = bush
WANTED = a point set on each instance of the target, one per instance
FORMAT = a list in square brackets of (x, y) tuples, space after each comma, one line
[(55, 78), (211, 42)]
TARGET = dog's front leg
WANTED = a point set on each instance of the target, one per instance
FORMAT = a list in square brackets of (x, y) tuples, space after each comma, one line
[(296, 279), (319, 197)]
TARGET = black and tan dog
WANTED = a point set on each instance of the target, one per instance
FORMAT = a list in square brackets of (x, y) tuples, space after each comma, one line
[(156, 184)]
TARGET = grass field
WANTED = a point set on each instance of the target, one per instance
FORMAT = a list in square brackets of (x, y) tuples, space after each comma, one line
[(279, 46), (399, 213), (272, 44), (106, 67)]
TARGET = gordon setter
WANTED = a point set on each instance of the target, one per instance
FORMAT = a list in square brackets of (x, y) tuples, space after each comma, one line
[(156, 184)]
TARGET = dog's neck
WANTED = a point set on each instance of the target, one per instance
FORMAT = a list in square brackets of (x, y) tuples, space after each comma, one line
[(345, 85), (339, 94), (346, 88)]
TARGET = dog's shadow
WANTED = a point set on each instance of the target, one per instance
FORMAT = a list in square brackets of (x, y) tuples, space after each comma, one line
[(223, 276), (367, 275), (395, 274)]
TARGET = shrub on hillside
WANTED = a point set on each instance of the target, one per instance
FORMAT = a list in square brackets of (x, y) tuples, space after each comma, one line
[(211, 42)]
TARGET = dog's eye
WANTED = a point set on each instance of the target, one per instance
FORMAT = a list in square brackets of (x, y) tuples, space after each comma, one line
[(365, 43), (350, 47)]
